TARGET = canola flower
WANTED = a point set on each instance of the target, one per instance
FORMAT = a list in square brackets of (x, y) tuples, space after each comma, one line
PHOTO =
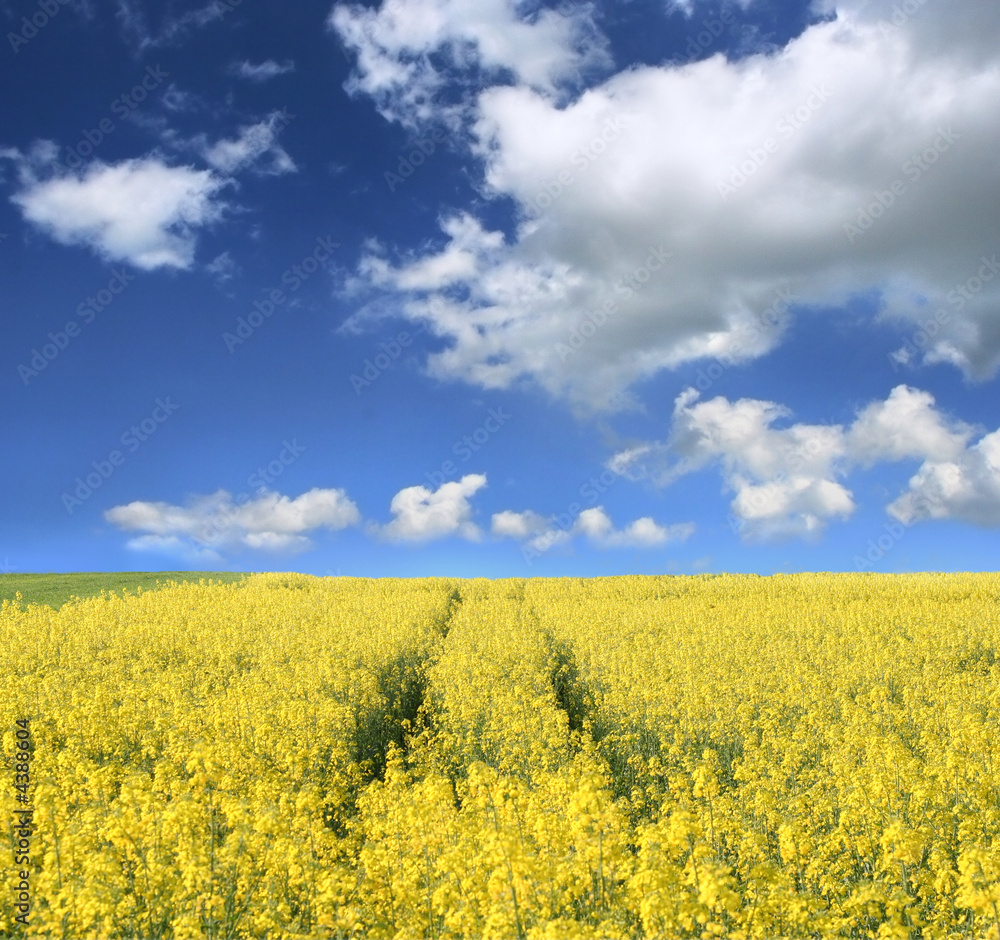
[(800, 756)]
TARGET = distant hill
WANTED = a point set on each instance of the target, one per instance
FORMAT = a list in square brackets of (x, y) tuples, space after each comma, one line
[(56, 589)]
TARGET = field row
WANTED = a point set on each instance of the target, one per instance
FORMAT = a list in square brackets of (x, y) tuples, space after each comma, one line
[(717, 756)]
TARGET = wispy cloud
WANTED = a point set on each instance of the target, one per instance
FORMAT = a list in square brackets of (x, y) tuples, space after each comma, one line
[(255, 147), (170, 28), (261, 71), (223, 267)]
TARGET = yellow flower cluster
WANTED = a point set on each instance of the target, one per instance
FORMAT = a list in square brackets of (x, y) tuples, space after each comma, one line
[(801, 756)]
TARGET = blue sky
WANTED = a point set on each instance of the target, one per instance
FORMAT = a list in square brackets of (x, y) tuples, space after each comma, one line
[(442, 287)]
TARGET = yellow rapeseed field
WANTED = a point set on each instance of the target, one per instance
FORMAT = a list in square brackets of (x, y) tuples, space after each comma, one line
[(741, 757)]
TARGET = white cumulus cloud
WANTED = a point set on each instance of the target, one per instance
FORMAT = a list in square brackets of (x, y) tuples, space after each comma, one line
[(421, 514), (905, 425), (787, 481), (596, 525), (538, 533), (677, 212), (267, 521), (141, 211), (966, 488)]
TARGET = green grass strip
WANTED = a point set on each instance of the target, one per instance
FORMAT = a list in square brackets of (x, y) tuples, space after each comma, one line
[(56, 589)]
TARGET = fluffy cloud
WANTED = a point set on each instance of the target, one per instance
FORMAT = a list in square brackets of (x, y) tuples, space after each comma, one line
[(539, 534), (518, 525), (596, 525), (267, 522), (906, 425), (787, 481), (667, 213), (784, 479), (140, 211), (966, 488), (536, 531), (397, 45), (422, 514)]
